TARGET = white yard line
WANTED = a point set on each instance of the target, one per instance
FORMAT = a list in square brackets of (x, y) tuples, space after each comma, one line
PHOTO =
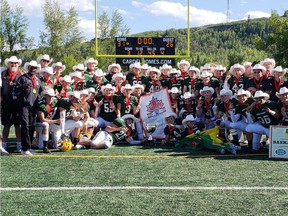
[(139, 188)]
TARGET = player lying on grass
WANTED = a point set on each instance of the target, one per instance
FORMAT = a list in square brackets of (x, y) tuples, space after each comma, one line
[(120, 130)]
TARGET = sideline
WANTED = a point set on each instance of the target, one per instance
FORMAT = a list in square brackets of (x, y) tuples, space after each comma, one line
[(135, 156), (140, 188)]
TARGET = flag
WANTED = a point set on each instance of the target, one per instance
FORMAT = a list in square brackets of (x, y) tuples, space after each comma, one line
[(205, 139), (153, 109)]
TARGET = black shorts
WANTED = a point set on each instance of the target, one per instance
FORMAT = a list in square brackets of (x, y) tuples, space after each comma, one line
[(9, 115)]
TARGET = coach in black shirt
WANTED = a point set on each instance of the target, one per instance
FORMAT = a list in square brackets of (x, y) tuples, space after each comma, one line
[(27, 90)]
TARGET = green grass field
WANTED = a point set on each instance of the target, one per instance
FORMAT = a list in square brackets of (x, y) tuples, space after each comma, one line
[(138, 180)]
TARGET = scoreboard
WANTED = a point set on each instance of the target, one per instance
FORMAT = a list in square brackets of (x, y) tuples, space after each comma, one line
[(151, 46)]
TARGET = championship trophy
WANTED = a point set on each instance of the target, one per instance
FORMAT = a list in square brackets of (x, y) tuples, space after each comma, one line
[(150, 128)]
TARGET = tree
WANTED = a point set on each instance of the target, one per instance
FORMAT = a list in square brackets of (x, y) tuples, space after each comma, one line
[(108, 30), (277, 41), (13, 27), (61, 36)]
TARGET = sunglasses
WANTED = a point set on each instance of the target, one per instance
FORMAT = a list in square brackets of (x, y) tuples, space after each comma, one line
[(260, 98), (44, 60), (13, 62)]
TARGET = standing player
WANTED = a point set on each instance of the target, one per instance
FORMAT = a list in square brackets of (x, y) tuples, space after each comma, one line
[(152, 82), (135, 77), (235, 79), (190, 83), (259, 81)]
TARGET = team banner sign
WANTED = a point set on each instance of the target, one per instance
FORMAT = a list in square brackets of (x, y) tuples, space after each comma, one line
[(154, 107), (278, 142)]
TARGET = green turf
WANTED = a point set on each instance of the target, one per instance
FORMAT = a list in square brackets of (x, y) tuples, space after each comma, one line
[(215, 170), (137, 202)]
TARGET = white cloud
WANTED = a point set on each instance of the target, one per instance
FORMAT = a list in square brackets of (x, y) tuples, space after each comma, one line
[(137, 4), (105, 8), (256, 14), (34, 7), (123, 12), (87, 27), (198, 17)]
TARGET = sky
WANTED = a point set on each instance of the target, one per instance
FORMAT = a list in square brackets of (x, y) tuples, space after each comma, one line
[(148, 15)]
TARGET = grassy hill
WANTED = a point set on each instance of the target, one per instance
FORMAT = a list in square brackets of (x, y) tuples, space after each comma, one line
[(225, 43)]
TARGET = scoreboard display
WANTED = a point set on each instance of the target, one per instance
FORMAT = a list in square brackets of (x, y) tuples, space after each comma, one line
[(145, 46), (148, 46)]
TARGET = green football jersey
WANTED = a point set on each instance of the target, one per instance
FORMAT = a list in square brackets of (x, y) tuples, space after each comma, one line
[(263, 117), (108, 108), (119, 135), (127, 105), (49, 111)]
